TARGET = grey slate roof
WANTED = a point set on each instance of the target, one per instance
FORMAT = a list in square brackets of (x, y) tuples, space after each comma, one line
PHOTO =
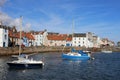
[(79, 34)]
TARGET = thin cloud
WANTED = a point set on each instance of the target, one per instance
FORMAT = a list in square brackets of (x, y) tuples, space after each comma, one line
[(5, 18), (27, 27), (95, 27), (9, 21), (68, 7), (53, 23), (103, 30), (2, 2)]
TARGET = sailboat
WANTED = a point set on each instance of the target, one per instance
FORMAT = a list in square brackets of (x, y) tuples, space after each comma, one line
[(24, 61), (76, 54)]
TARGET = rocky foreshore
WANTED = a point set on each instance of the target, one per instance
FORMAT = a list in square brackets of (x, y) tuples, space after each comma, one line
[(40, 49)]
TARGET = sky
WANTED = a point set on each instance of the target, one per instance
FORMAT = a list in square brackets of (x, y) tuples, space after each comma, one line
[(101, 17)]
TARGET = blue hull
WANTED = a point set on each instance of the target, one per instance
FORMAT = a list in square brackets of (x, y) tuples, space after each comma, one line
[(24, 66), (83, 57)]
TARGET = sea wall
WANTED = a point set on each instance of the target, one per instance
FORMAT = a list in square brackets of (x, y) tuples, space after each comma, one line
[(42, 49), (29, 50)]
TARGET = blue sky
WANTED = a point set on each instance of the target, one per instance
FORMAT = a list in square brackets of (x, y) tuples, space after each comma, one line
[(101, 17)]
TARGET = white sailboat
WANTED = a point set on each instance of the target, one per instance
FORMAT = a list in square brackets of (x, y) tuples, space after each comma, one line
[(24, 62), (106, 51)]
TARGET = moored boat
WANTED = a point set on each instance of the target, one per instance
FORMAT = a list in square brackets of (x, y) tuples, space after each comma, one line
[(106, 51), (23, 61), (76, 54)]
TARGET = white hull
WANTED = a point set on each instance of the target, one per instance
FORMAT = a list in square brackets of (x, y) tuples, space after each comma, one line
[(25, 63), (106, 51)]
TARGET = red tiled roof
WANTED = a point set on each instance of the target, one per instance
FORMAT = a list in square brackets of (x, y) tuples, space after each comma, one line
[(59, 37), (40, 32), (14, 35), (69, 39), (24, 34), (29, 36)]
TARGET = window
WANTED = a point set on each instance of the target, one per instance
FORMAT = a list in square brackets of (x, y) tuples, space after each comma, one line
[(83, 42), (74, 41), (5, 30), (51, 42), (5, 36)]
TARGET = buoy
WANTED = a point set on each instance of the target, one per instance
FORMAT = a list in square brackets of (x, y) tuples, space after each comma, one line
[(92, 58)]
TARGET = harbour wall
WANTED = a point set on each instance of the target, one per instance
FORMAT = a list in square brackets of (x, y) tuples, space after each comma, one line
[(30, 50), (42, 49)]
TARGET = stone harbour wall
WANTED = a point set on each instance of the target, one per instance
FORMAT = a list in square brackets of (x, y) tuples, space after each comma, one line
[(42, 49)]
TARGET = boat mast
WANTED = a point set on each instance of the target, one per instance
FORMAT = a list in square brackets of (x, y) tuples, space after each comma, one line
[(68, 35), (20, 35), (72, 31)]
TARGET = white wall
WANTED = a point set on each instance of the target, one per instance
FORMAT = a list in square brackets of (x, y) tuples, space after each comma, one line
[(79, 41), (38, 40), (82, 41), (56, 43), (3, 37)]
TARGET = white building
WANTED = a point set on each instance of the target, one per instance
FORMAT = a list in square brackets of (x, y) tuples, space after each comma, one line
[(82, 40), (96, 41), (89, 36), (79, 39), (40, 38), (3, 36)]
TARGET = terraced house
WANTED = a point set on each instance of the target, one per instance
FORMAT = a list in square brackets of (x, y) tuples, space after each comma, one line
[(82, 40), (40, 37), (10, 37), (27, 38), (3, 36), (56, 39)]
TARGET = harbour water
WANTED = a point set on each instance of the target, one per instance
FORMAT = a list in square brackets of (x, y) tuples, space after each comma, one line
[(103, 67)]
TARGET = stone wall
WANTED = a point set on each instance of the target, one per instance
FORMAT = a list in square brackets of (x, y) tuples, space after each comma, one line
[(29, 50)]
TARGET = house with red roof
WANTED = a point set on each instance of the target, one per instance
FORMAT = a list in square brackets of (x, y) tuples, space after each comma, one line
[(27, 39), (58, 40), (30, 38)]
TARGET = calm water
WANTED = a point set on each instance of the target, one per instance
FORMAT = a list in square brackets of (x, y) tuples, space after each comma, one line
[(103, 67)]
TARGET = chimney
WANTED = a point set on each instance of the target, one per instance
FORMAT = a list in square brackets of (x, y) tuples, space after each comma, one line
[(0, 23)]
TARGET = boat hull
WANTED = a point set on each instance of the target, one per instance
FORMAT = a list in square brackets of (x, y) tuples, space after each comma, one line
[(24, 65), (83, 57), (106, 51)]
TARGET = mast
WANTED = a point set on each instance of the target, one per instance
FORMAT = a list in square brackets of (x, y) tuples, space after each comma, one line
[(20, 35), (72, 31), (72, 34)]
